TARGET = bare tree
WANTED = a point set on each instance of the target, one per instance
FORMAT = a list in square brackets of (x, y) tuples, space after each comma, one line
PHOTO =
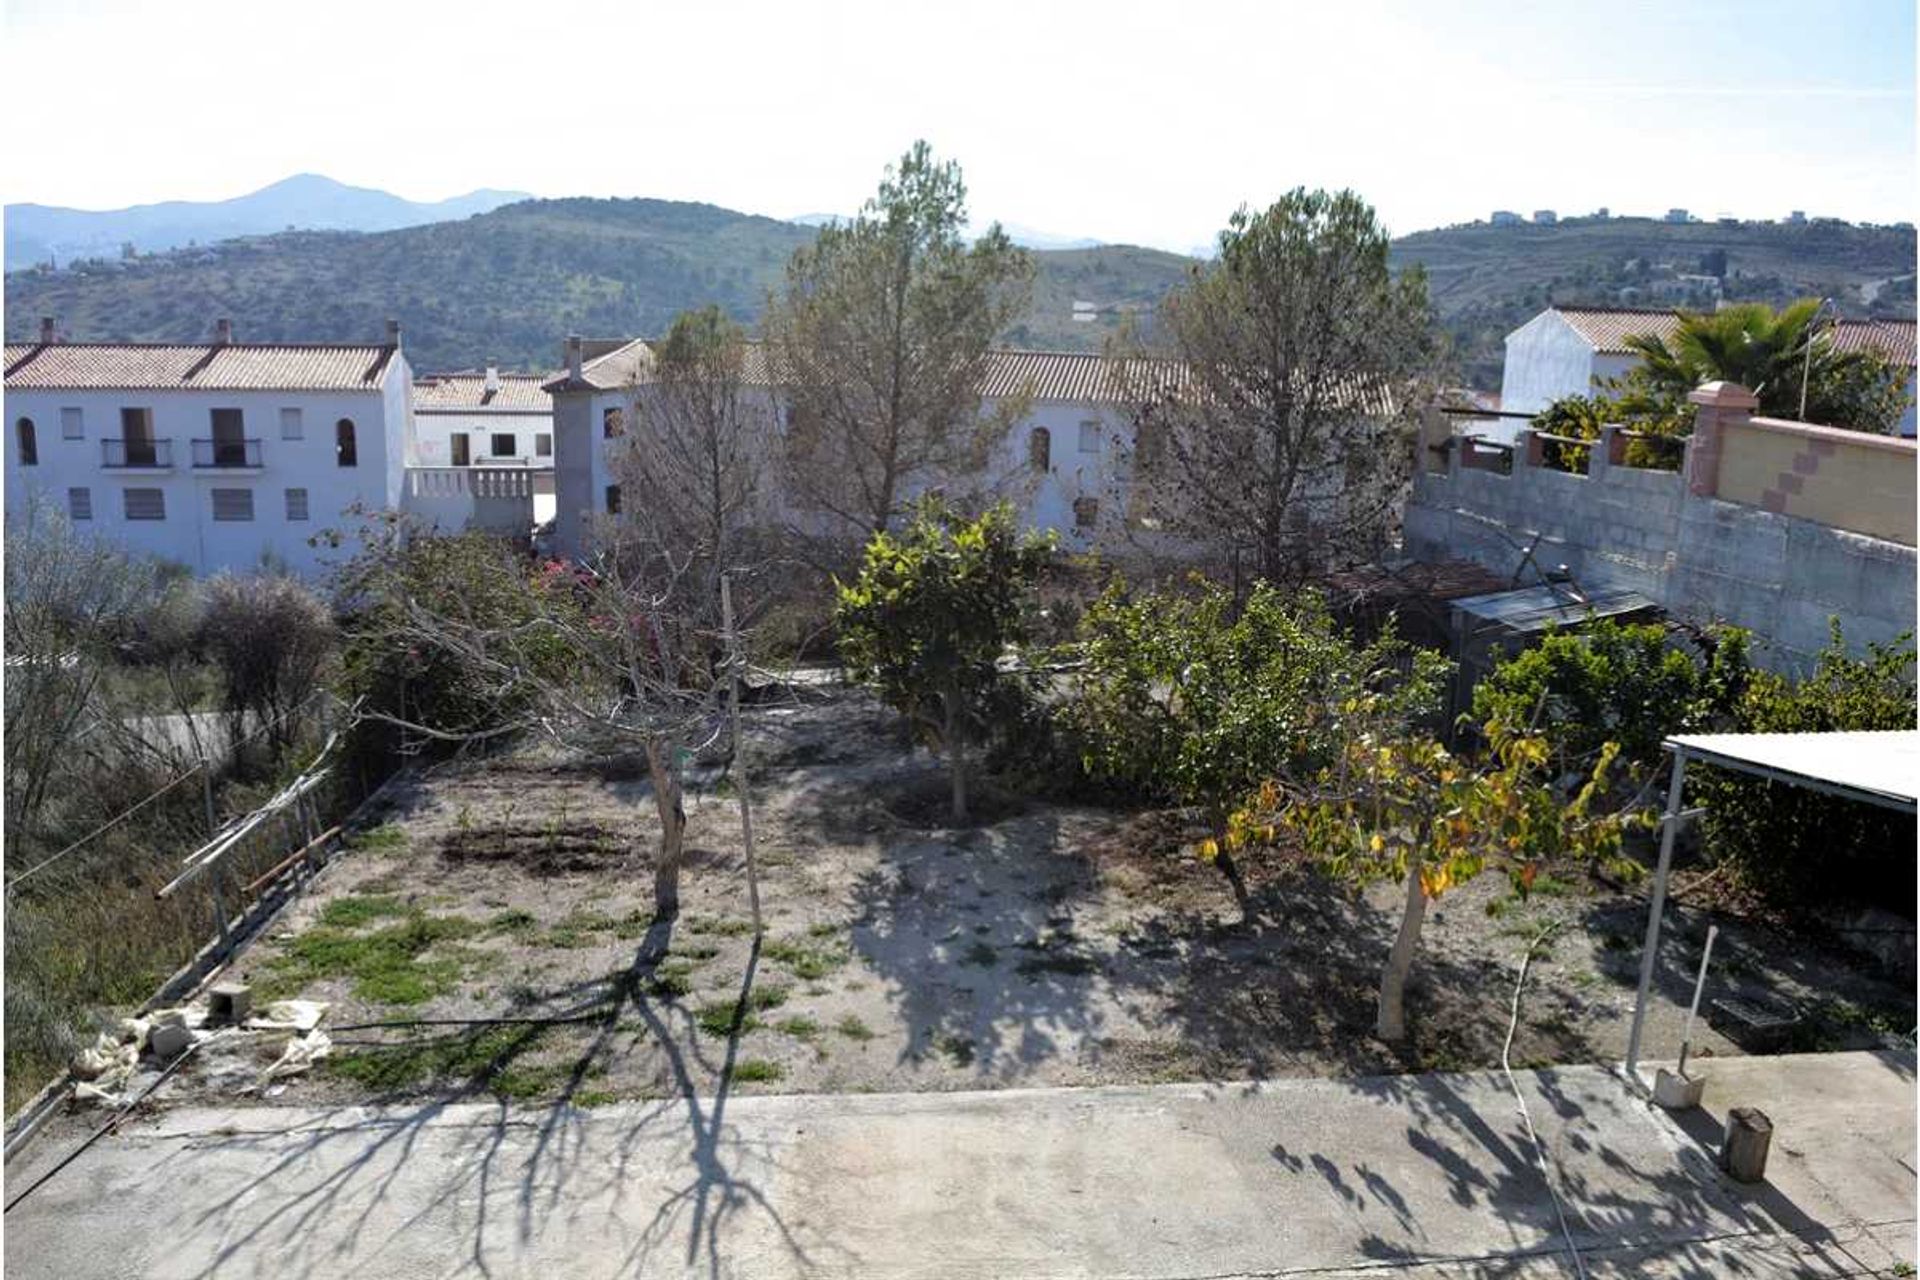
[(880, 341), (271, 638), (1269, 434), (606, 654), (692, 472), (72, 602)]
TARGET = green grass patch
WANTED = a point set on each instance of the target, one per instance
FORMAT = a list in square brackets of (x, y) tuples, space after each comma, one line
[(757, 1071), (673, 980), (515, 920), (825, 929), (356, 910), (717, 1019), (801, 1027), (853, 1028), (388, 836), (589, 1098), (387, 966), (718, 926), (802, 959), (480, 1059)]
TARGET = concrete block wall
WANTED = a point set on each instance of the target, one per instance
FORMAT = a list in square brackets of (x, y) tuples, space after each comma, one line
[(1700, 557)]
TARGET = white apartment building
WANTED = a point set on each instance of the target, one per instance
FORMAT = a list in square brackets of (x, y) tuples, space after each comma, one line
[(216, 455), (1062, 463)]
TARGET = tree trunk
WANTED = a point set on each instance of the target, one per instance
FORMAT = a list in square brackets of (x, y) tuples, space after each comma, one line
[(1231, 870), (664, 769), (1392, 1023), (956, 757)]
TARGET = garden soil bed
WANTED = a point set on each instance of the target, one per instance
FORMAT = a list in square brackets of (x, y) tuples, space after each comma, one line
[(1047, 944)]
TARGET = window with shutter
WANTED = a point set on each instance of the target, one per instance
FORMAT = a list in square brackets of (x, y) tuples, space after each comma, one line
[(144, 504), (80, 504), (233, 504), (296, 504)]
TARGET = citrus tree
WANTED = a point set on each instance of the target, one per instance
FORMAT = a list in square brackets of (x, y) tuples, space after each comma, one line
[(930, 615), (1183, 698), (1403, 807)]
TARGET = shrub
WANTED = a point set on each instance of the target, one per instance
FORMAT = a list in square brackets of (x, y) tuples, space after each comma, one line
[(271, 638), (1631, 684), (1797, 843)]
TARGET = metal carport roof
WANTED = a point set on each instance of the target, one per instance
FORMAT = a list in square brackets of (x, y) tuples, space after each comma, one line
[(1880, 767)]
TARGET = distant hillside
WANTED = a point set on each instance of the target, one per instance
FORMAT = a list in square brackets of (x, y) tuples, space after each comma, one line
[(508, 285), (37, 232), (1487, 280)]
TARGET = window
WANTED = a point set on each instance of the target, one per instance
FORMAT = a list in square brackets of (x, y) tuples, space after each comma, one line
[(233, 504), (143, 504), (613, 423), (291, 427), (136, 430), (1086, 512), (503, 444), (345, 450), (80, 504), (1040, 449), (28, 445), (1090, 437), (542, 445), (296, 504), (229, 438), (462, 449), (72, 425), (613, 499)]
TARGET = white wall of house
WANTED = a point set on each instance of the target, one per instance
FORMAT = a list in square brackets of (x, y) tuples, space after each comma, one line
[(1081, 495), (433, 434), (1548, 360), (187, 532)]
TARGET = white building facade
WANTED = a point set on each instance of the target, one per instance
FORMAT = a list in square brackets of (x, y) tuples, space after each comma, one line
[(215, 456), (1062, 463)]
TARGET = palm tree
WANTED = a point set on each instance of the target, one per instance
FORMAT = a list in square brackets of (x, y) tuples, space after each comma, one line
[(1768, 352)]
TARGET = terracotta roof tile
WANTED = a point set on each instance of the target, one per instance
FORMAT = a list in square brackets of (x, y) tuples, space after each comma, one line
[(237, 366)]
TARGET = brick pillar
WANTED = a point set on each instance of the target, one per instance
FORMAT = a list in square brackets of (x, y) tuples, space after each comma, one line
[(1721, 404)]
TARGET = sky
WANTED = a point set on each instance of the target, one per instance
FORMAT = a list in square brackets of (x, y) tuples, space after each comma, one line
[(1119, 121)]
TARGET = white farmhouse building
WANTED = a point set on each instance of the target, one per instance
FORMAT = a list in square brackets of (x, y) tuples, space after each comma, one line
[(217, 455), (1567, 351), (1061, 464)]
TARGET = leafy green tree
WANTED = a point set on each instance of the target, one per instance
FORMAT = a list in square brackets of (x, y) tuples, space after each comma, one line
[(1622, 683), (933, 610), (879, 340), (1180, 698), (1394, 806), (1274, 432)]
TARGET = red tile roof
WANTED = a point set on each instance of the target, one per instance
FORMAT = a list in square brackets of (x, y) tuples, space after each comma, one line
[(466, 392), (250, 366)]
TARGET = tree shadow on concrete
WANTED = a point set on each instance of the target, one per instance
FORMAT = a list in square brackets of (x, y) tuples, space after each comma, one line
[(552, 1176)]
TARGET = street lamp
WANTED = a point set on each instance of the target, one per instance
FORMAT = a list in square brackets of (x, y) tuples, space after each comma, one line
[(1806, 365)]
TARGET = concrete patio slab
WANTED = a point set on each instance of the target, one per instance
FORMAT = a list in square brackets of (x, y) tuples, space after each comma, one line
[(1410, 1175)]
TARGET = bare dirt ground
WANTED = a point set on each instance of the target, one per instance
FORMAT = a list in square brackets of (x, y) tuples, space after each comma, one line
[(1048, 944)]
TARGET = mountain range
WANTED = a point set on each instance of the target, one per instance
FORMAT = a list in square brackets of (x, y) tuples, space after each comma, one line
[(507, 285), (37, 233)]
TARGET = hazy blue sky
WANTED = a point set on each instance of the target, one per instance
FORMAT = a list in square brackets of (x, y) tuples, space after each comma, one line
[(1131, 122)]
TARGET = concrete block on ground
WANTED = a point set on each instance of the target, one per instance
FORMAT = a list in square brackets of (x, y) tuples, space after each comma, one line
[(168, 1040), (230, 1002), (1744, 1153)]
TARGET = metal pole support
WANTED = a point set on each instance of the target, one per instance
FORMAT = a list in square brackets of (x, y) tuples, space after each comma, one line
[(1669, 823)]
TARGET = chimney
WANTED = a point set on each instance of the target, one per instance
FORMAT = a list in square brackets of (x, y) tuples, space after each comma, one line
[(393, 333), (493, 378), (46, 331), (222, 332), (575, 357)]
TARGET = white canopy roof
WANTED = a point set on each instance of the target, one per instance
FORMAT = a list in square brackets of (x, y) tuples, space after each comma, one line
[(1882, 767)]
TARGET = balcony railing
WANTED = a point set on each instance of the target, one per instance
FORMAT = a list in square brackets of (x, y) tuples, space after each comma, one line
[(136, 454), (226, 453)]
